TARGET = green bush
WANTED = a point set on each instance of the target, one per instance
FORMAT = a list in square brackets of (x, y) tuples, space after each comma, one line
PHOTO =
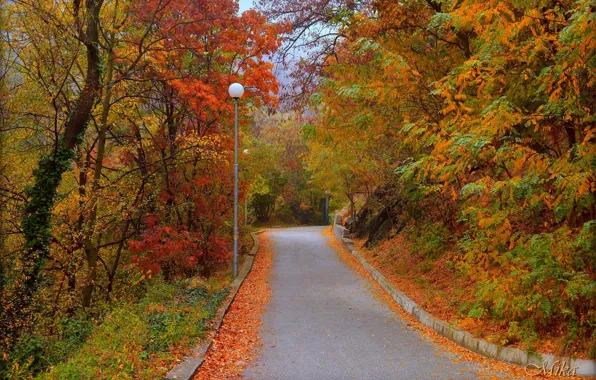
[(35, 353), (112, 350), (544, 290), (432, 240), (127, 343)]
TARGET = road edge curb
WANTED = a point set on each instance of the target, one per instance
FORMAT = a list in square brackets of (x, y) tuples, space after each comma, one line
[(187, 368), (462, 338)]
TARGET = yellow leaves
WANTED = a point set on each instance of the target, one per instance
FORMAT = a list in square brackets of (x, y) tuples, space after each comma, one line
[(445, 177), (483, 260), (504, 231), (454, 194), (444, 93), (140, 279), (587, 45), (565, 65), (450, 107), (504, 9), (485, 222), (590, 133), (587, 186), (547, 199), (416, 73), (207, 147), (512, 244), (467, 109), (518, 165)]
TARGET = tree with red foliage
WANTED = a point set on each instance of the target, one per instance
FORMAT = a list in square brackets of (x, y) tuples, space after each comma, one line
[(207, 46)]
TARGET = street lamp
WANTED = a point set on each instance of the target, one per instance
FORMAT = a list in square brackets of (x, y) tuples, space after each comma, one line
[(236, 91), (327, 192), (245, 201)]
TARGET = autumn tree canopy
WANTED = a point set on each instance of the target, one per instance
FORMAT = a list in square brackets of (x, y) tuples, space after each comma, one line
[(474, 121), (116, 147)]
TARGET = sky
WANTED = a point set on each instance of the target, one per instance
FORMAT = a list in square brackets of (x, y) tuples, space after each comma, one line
[(280, 72), (282, 76), (245, 4)]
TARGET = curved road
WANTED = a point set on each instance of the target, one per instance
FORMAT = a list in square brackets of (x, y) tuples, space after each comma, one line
[(323, 322)]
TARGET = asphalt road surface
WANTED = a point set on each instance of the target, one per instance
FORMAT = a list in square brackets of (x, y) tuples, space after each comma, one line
[(323, 322)]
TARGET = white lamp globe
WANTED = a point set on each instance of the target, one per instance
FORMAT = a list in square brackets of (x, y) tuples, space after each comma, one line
[(236, 90)]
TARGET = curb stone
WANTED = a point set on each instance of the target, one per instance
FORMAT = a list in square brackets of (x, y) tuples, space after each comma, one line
[(463, 338), (188, 367)]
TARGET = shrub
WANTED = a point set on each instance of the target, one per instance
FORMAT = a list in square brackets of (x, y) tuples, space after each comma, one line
[(136, 340)]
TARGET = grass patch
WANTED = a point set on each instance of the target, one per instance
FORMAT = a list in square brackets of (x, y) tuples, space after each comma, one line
[(142, 340)]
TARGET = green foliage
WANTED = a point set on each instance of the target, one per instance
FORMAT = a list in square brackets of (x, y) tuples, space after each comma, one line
[(523, 331), (162, 331), (113, 349), (543, 289), (265, 193), (36, 223), (281, 187), (29, 357), (432, 240), (476, 312), (36, 352), (128, 341), (74, 333), (168, 327), (134, 336)]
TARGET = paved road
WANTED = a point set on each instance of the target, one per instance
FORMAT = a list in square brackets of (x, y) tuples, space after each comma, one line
[(323, 322)]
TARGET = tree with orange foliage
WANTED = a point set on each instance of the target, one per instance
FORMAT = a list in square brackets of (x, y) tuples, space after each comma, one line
[(480, 118)]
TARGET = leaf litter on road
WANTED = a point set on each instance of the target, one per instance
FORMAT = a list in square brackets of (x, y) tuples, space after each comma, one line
[(238, 341)]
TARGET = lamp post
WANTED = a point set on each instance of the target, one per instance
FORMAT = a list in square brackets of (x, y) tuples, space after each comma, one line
[(236, 91), (245, 202), (327, 192)]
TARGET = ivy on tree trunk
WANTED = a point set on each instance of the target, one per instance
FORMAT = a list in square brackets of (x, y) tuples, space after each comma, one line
[(36, 222)]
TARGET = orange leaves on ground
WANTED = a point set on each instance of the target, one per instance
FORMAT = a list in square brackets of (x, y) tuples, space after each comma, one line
[(238, 338)]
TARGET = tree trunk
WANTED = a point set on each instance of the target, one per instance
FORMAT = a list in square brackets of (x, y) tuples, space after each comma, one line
[(571, 135), (91, 255), (114, 269), (4, 321), (91, 250), (36, 221)]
